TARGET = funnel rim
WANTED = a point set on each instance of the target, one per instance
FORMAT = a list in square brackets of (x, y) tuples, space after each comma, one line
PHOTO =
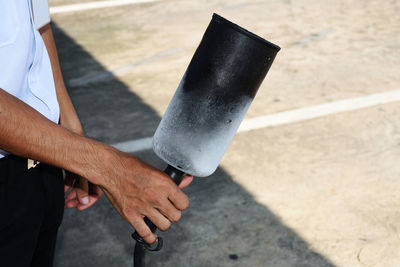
[(245, 32)]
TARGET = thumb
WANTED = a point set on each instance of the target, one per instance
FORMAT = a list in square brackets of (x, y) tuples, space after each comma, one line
[(82, 190), (187, 179)]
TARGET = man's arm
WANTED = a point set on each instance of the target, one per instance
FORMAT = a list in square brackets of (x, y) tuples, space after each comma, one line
[(68, 117), (133, 187), (83, 194)]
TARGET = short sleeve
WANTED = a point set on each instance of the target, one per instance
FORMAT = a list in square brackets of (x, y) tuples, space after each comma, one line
[(8, 23), (40, 12)]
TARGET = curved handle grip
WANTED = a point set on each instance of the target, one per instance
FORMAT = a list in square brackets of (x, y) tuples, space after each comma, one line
[(176, 175)]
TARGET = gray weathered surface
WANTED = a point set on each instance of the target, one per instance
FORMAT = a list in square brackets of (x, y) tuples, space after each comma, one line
[(317, 193)]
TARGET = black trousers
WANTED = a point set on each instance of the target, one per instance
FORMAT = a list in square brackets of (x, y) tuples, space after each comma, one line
[(31, 210)]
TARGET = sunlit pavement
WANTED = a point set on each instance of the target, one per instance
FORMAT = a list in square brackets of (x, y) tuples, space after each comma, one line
[(321, 192)]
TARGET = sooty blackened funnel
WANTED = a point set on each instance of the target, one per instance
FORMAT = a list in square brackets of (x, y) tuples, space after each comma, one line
[(211, 101), (213, 97)]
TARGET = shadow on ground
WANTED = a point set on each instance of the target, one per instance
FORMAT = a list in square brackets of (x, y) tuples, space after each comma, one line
[(224, 226)]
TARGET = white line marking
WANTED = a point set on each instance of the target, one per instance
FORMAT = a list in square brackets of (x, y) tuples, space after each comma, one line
[(287, 117), (134, 145), (106, 75), (94, 5), (313, 112)]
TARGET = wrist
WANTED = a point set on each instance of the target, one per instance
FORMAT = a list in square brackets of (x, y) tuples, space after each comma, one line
[(104, 164)]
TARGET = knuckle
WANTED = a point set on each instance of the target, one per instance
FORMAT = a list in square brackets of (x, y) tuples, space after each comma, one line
[(185, 203), (165, 226), (132, 211), (133, 218), (146, 233), (176, 217), (150, 238), (157, 199), (167, 184)]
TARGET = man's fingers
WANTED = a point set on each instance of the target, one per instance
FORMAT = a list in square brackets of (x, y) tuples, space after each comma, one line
[(159, 220), (95, 190), (70, 196), (82, 196), (169, 211), (70, 200), (179, 199), (71, 203), (82, 190), (187, 179), (95, 193), (144, 231), (92, 200)]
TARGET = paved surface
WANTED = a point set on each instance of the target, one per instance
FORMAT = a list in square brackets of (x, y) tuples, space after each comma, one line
[(322, 192)]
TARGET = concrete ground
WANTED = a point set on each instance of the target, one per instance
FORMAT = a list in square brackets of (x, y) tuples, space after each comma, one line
[(321, 192)]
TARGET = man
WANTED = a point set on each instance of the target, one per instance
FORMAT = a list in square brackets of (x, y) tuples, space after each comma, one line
[(39, 122)]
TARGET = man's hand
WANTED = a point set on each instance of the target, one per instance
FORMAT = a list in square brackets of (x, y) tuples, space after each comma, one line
[(134, 188), (137, 190), (82, 195)]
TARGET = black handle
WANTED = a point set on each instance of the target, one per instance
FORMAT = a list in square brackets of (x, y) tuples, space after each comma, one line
[(176, 175)]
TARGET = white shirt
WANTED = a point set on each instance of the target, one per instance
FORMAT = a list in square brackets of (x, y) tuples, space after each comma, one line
[(25, 69)]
